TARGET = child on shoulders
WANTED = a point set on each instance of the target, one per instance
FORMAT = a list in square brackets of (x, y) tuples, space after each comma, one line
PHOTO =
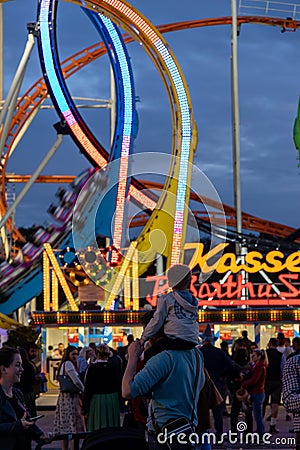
[(176, 312)]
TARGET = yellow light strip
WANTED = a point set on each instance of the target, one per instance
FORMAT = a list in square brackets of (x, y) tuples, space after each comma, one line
[(60, 277), (127, 298), (54, 292), (46, 281), (120, 277), (135, 281)]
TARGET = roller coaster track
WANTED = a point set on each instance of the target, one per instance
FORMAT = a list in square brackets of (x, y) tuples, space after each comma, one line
[(249, 222), (29, 104)]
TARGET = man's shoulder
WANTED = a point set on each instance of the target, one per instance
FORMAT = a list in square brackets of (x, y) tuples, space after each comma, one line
[(183, 354), (210, 348), (172, 355), (293, 360)]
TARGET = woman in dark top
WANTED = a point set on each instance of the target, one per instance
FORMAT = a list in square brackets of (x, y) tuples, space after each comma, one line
[(101, 395), (16, 430)]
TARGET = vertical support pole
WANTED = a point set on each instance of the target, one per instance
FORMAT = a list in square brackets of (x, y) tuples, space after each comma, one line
[(257, 333), (235, 119), (81, 337), (217, 334), (44, 352)]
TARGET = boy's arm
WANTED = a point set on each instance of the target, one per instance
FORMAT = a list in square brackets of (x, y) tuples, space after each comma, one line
[(157, 320)]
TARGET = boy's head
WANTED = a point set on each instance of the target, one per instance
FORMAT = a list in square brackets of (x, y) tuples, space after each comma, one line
[(179, 277)]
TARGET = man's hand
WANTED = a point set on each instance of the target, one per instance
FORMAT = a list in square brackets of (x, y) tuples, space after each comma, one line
[(135, 350)]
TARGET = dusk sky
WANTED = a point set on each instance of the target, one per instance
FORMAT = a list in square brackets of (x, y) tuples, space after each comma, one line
[(269, 87)]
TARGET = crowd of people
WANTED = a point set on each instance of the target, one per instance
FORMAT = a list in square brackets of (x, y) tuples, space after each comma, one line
[(165, 382)]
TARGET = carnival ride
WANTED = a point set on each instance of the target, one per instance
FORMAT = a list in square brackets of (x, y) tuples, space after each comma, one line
[(21, 280)]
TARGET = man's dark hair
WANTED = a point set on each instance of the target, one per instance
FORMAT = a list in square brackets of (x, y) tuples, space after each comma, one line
[(224, 345), (274, 342), (296, 341), (130, 338)]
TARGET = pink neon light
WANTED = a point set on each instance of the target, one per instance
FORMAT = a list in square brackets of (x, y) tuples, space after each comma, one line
[(121, 195), (70, 119), (89, 147)]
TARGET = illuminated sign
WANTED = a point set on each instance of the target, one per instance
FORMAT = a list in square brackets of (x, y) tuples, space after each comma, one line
[(132, 318), (233, 290), (272, 262)]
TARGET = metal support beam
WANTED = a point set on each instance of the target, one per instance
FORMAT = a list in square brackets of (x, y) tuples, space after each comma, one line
[(235, 120), (34, 176), (12, 97)]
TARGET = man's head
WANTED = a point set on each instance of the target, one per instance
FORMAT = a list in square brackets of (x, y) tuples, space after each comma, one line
[(273, 343), (130, 339), (179, 277), (31, 349), (61, 348), (245, 334), (296, 344), (224, 345), (281, 339)]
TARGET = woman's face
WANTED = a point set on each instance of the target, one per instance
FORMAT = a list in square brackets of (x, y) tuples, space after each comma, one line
[(256, 357), (13, 372), (73, 356), (89, 354)]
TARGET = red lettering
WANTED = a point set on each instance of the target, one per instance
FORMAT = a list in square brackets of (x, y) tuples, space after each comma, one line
[(204, 291), (218, 290), (241, 287), (267, 293), (283, 278), (230, 285), (193, 289), (157, 288)]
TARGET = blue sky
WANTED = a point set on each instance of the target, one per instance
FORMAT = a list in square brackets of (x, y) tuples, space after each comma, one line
[(269, 81)]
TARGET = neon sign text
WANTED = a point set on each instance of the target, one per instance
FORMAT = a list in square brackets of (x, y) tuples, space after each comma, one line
[(273, 262)]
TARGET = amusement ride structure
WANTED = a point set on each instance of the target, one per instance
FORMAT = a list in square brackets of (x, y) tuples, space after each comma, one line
[(163, 208)]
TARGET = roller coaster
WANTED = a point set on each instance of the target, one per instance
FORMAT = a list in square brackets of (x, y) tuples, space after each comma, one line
[(21, 276)]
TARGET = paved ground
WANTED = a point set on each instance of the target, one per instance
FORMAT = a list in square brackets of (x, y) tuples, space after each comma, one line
[(279, 441)]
